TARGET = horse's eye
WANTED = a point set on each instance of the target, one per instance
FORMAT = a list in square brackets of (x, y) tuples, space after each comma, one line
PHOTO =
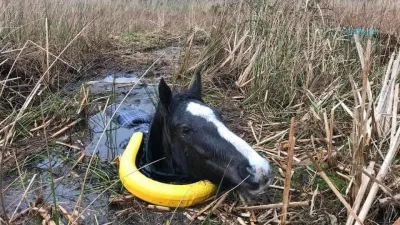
[(185, 130)]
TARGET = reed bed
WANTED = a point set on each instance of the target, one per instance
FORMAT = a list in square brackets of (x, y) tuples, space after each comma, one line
[(317, 100)]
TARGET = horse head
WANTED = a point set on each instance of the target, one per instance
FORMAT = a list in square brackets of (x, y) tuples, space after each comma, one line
[(195, 141)]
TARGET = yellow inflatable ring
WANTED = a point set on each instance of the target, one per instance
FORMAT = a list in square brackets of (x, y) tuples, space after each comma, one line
[(157, 193)]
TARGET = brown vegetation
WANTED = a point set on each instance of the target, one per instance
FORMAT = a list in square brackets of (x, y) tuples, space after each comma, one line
[(265, 62)]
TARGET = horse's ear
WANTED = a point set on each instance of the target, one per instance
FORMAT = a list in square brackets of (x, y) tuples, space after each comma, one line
[(195, 88), (164, 93)]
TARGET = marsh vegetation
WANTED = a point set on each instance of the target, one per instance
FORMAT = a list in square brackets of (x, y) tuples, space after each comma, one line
[(329, 66)]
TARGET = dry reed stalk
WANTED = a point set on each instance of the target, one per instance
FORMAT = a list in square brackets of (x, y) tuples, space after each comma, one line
[(243, 78), (394, 144), (85, 97), (361, 191), (250, 123), (23, 196), (120, 198), (394, 112), (45, 124), (157, 207), (384, 201), (332, 187), (361, 127), (10, 79), (332, 156), (329, 137), (304, 140), (313, 200), (47, 50), (235, 48), (66, 128), (218, 203), (288, 173), (78, 160), (250, 212), (274, 206), (192, 218), (68, 145), (280, 187), (282, 133), (55, 56)]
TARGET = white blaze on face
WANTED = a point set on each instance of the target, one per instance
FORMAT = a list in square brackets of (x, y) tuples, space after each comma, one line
[(261, 165)]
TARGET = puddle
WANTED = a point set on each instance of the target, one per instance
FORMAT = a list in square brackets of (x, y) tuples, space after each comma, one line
[(109, 145)]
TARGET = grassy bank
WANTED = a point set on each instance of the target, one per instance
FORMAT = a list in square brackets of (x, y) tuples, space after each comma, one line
[(264, 63)]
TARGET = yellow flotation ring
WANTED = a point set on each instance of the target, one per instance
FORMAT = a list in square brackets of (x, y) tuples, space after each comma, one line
[(163, 194)]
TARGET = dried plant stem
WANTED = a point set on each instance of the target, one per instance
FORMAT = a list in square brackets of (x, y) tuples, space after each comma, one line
[(66, 128), (288, 173), (331, 155), (361, 191), (394, 144), (384, 201), (22, 197), (47, 51), (274, 206), (333, 188), (208, 207)]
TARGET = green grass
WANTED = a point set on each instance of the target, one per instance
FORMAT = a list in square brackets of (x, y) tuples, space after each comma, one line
[(304, 179)]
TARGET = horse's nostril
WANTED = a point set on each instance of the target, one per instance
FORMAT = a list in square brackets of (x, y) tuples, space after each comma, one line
[(257, 177), (251, 170)]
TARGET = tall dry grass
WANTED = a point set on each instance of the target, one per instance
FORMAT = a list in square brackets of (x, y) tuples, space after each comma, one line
[(285, 58), (24, 20), (298, 58), (89, 29)]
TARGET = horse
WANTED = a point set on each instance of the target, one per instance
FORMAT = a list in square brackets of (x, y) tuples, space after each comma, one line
[(195, 144)]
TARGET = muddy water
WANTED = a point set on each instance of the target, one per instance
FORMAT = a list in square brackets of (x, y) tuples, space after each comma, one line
[(67, 189), (106, 142)]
